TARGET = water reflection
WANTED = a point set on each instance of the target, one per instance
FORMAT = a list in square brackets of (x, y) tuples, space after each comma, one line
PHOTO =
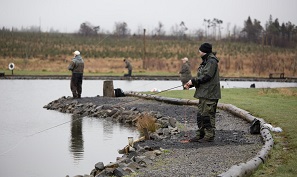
[(107, 130), (76, 140)]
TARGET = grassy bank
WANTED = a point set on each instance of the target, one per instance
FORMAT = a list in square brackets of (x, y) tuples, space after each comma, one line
[(279, 108)]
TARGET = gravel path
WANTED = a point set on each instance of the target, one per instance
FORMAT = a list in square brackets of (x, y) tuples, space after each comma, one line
[(233, 143)]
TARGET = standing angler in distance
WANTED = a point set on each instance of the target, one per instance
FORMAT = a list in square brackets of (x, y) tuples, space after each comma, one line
[(76, 66)]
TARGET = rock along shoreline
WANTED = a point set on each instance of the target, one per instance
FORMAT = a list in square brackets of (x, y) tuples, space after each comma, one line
[(235, 152)]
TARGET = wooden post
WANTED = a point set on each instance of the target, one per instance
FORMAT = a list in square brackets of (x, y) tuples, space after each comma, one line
[(144, 62), (146, 134), (108, 89)]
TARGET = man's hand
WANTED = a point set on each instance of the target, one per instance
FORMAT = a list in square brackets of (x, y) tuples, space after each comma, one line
[(188, 84)]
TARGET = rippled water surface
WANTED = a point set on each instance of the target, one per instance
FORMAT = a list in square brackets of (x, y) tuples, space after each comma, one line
[(36, 142)]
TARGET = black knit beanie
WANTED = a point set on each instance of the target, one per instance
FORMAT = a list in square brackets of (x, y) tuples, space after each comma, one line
[(206, 48)]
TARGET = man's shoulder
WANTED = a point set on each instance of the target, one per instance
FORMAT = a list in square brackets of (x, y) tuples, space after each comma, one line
[(212, 58)]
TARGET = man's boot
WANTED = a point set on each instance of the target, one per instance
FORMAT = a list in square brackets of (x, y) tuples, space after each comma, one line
[(209, 135), (200, 133), (74, 95)]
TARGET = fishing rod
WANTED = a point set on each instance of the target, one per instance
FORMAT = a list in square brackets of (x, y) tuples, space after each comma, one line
[(168, 89), (129, 102)]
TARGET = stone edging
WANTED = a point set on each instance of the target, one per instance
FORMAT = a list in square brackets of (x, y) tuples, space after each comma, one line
[(239, 170)]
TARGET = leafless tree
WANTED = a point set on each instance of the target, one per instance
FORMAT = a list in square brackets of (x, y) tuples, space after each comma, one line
[(121, 29), (235, 32), (214, 24), (217, 24), (200, 34), (159, 31), (207, 24), (88, 29), (179, 30)]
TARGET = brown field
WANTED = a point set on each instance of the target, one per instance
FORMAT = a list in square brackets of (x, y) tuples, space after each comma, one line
[(44, 53), (237, 66)]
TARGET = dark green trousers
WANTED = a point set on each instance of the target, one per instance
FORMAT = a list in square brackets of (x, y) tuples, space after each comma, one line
[(76, 84), (206, 117)]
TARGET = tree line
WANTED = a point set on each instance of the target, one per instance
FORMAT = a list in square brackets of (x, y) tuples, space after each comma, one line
[(273, 33)]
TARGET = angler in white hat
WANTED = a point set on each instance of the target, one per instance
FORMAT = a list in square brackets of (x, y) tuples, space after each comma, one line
[(76, 66), (185, 72)]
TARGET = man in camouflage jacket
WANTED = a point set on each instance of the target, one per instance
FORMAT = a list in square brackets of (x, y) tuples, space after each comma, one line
[(207, 84)]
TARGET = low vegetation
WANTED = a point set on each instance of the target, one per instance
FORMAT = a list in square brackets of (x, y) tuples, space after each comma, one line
[(146, 121), (47, 54)]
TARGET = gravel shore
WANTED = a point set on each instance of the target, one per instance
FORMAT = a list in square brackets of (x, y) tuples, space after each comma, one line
[(233, 143)]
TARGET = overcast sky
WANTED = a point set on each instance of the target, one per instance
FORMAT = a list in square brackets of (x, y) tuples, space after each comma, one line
[(67, 15)]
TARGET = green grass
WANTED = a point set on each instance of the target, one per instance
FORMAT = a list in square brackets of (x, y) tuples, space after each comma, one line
[(277, 107)]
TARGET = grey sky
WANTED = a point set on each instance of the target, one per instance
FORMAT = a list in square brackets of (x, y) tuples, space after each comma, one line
[(67, 15)]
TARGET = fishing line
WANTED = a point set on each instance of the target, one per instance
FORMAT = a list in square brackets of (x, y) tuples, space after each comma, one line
[(103, 39), (28, 136), (185, 123), (187, 131), (148, 83), (13, 147), (73, 120)]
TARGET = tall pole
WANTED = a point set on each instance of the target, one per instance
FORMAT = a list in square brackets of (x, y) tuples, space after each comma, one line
[(143, 57)]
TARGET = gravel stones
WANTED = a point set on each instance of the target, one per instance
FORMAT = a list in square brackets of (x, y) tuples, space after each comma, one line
[(233, 143)]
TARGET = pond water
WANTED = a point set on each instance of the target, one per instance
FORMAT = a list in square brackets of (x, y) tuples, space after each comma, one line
[(36, 142)]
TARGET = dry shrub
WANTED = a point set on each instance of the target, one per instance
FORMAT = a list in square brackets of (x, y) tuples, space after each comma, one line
[(287, 92), (282, 91), (146, 121)]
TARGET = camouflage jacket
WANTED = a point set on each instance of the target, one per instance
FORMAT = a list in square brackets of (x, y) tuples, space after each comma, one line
[(128, 65), (207, 82), (185, 72), (76, 65)]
